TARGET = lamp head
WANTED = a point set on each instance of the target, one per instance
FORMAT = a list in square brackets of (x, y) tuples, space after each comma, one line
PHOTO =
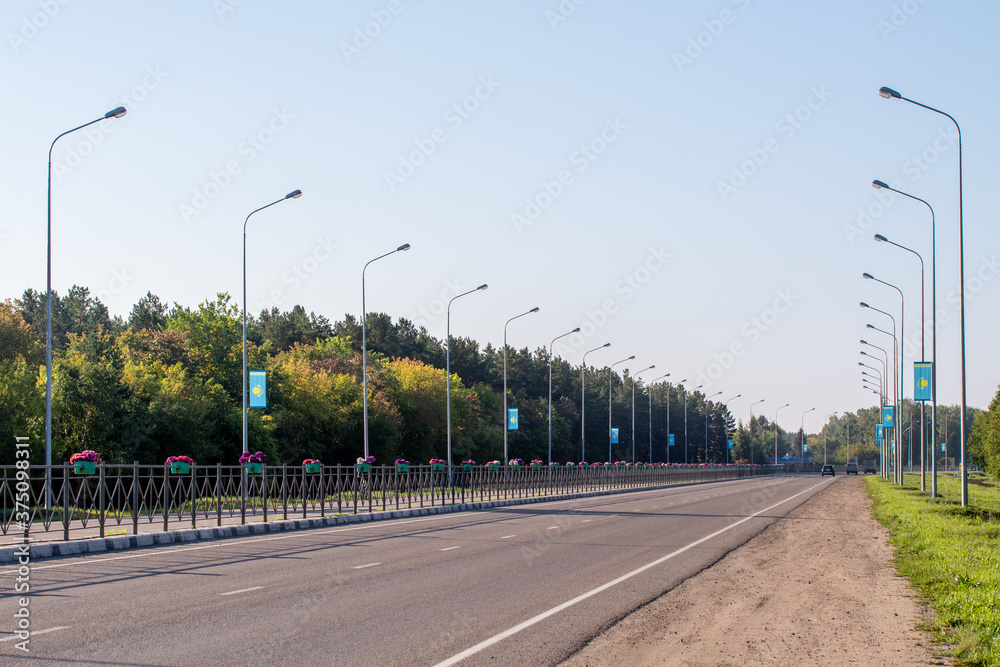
[(867, 276), (879, 237), (864, 342), (404, 247), (698, 387), (576, 330), (864, 305), (117, 112), (483, 286), (294, 194), (535, 310), (630, 358), (869, 326), (878, 185), (888, 93), (605, 345), (683, 381)]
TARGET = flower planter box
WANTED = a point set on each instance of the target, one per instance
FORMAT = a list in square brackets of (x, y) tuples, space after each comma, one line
[(180, 468), (403, 467), (363, 467), (536, 466), (254, 468), (515, 466), (494, 466), (313, 468), (437, 467), (467, 467), (84, 468)]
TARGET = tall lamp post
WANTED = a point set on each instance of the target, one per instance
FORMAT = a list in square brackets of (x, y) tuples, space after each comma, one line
[(568, 333), (651, 383), (583, 402), (895, 380), (679, 384), (447, 371), (294, 194), (776, 431), (686, 420), (923, 327), (879, 184), (611, 376), (506, 418), (364, 338), (751, 429), (633, 407), (117, 112), (802, 437), (902, 390), (706, 422), (889, 93)]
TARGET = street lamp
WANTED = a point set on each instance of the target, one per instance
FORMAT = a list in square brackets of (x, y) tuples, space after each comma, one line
[(890, 93), (633, 408), (651, 383), (686, 419), (824, 436), (776, 431), (751, 429), (706, 422), (725, 433), (117, 112), (447, 371), (923, 325), (568, 333), (294, 194), (902, 389), (506, 417), (583, 402), (668, 415), (895, 380), (802, 436), (611, 375), (879, 184), (364, 338)]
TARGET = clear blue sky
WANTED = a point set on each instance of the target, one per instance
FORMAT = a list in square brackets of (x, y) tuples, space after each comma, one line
[(675, 178)]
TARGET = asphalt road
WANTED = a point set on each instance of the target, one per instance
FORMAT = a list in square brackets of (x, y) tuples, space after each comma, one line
[(520, 586)]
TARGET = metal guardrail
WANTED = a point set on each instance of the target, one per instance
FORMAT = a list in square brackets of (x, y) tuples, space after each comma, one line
[(52, 499)]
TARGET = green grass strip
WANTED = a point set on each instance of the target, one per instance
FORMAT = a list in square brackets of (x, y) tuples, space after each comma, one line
[(951, 555)]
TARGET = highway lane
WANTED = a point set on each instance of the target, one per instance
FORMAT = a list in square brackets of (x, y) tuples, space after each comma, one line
[(415, 591)]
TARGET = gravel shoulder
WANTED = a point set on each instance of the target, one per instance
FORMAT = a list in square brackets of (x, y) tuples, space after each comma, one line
[(815, 588)]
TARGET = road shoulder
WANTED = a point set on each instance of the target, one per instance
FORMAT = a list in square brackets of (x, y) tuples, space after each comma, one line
[(815, 588)]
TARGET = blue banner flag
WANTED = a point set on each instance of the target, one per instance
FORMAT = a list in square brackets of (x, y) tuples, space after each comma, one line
[(258, 389), (923, 376), (878, 431), (942, 446), (614, 436), (730, 443), (887, 416), (671, 438), (805, 448), (512, 419)]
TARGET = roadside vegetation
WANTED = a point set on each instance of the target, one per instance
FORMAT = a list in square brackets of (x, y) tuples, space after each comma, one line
[(951, 555)]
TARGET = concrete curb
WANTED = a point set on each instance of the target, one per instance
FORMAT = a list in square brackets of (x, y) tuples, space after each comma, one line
[(11, 555)]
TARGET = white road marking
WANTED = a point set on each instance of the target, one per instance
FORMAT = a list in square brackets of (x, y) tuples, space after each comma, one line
[(234, 542), (586, 520), (450, 548), (37, 632), (551, 527), (507, 537), (361, 567), (635, 510), (243, 590), (472, 650)]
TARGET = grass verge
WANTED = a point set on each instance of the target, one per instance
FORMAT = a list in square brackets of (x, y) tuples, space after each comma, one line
[(951, 555)]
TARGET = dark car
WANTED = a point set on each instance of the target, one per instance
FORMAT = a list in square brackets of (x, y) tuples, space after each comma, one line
[(828, 470), (852, 468)]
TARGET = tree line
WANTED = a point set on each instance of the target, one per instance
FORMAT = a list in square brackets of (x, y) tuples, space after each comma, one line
[(167, 381)]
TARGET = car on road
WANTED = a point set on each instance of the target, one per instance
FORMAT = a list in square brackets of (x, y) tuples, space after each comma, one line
[(828, 470), (852, 468)]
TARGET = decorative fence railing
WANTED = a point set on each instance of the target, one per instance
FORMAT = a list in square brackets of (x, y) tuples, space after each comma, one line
[(51, 499)]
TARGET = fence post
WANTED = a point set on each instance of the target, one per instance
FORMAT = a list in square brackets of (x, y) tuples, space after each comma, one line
[(166, 497), (194, 496), (218, 494), (264, 489), (135, 497), (284, 491), (65, 494)]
